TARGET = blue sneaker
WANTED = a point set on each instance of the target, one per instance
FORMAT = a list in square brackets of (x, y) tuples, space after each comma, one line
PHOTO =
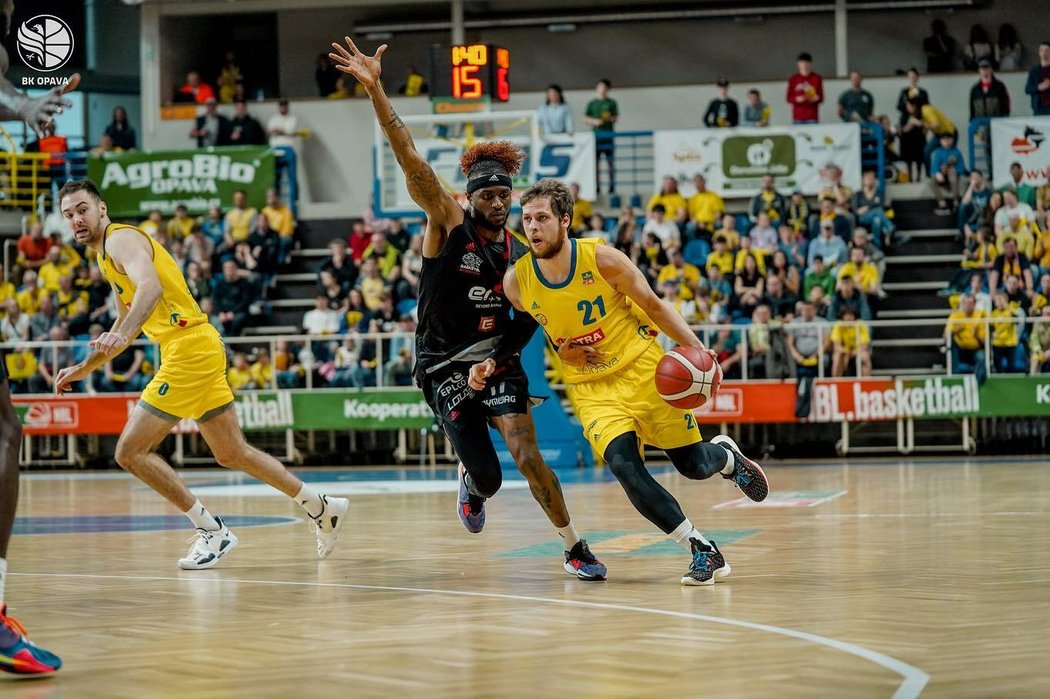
[(470, 514), (579, 561), (747, 475), (708, 563), (19, 655)]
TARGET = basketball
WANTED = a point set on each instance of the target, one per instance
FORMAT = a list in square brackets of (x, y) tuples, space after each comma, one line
[(687, 377)]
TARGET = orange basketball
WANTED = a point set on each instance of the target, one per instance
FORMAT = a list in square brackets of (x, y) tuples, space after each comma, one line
[(687, 377)]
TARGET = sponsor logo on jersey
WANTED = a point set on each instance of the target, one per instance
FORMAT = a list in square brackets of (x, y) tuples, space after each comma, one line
[(647, 332), (591, 338), (471, 264), (176, 319), (541, 319), (487, 324), (535, 305), (498, 400), (484, 298), (588, 278)]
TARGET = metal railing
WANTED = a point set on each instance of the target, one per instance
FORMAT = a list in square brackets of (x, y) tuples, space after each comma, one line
[(23, 178)]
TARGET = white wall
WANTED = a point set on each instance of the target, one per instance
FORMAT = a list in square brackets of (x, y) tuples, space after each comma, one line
[(337, 157)]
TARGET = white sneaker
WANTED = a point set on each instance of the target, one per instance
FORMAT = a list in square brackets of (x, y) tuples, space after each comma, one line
[(326, 527), (208, 547)]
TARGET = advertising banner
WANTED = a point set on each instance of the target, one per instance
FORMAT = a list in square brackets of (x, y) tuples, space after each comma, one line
[(733, 161), (1021, 140), (564, 157), (138, 182)]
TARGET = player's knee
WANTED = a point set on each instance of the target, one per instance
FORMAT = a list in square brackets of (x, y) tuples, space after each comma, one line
[(234, 456), (530, 463), (487, 483), (698, 461), (128, 456)]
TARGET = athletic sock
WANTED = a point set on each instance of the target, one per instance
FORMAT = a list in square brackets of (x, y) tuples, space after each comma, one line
[(310, 501), (569, 535), (685, 533), (730, 464), (201, 518), (3, 577)]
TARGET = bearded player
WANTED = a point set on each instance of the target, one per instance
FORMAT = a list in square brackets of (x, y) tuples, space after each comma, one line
[(464, 317), (580, 290), (17, 653)]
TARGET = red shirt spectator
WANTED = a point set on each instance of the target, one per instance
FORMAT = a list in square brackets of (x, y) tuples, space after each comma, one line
[(201, 91), (360, 239), (33, 247), (805, 92)]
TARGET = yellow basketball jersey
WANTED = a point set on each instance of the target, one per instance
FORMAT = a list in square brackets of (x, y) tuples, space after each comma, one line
[(587, 310), (176, 311)]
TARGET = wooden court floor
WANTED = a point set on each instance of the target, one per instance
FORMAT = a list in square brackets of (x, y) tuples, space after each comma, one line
[(869, 579)]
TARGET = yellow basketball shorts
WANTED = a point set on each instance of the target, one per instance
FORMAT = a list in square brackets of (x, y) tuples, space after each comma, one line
[(628, 401), (191, 382)]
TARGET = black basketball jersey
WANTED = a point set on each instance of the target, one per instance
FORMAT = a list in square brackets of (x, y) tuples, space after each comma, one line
[(462, 309)]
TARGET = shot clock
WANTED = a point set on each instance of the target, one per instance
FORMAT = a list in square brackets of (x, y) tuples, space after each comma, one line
[(470, 72)]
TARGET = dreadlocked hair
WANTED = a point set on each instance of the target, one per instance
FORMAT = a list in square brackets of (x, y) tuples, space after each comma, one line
[(505, 153)]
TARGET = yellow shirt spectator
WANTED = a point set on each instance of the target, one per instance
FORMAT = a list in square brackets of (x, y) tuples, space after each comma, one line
[(724, 260), (582, 210), (674, 203), (239, 222), (238, 378), (372, 292), (866, 275), (280, 219), (387, 262), (850, 335), (180, 228), (7, 291), (49, 274), (984, 254), (29, 299), (1041, 254), (705, 208), (1004, 328), (968, 331), (261, 374), (69, 304), (936, 121), (741, 256), (686, 278), (1023, 235)]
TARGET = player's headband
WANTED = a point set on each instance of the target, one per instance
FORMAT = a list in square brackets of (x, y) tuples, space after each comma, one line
[(488, 180)]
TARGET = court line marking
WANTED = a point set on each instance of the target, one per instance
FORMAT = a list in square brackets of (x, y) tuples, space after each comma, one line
[(914, 678)]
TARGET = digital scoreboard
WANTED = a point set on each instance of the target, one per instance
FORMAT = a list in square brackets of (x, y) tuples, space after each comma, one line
[(470, 72)]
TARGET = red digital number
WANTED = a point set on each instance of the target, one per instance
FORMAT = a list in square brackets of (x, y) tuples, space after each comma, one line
[(465, 84), (502, 86)]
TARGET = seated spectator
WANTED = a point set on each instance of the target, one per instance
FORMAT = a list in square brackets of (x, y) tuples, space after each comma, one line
[(769, 201), (875, 255), (385, 255), (398, 371), (121, 133), (360, 239), (334, 291), (828, 246), (582, 210), (721, 257), (1026, 193), (758, 342), (947, 168), (745, 252), (199, 250), (1042, 203), (982, 299), (197, 284), (340, 266), (763, 235), (1020, 233), (1041, 253), (1020, 296), (780, 301), (794, 245), (70, 302), (15, 325), (356, 312), (727, 347), (195, 90), (180, 226), (863, 272), (53, 269), (626, 236), (1008, 355), (673, 202), (33, 248), (1039, 344), (973, 202), (850, 340), (979, 254), (45, 318), (233, 296), (123, 373), (749, 286), (342, 91), (214, 225), (856, 104), (287, 369), (371, 284), (722, 112), (662, 227), (211, 128), (596, 228), (264, 244), (239, 219), (245, 130), (352, 368), (729, 232), (30, 293), (239, 375), (397, 236), (283, 222), (680, 279), (1042, 294), (321, 319), (652, 256), (820, 300), (808, 338), (965, 332), (870, 208), (1010, 262), (988, 96), (798, 213), (847, 294), (1012, 206), (818, 275), (833, 189), (177, 249), (705, 207), (828, 214), (756, 112), (262, 370), (780, 267), (720, 288)]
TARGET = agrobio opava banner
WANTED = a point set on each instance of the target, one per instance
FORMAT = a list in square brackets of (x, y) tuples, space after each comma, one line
[(733, 161), (133, 184), (1021, 140)]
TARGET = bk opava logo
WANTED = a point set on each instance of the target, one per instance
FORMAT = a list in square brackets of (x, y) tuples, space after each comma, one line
[(45, 43)]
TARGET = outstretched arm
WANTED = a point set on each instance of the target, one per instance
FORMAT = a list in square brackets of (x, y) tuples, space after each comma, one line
[(624, 277), (38, 112), (443, 212)]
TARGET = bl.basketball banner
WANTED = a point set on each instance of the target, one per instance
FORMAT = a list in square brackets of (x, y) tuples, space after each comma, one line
[(138, 182), (733, 161), (1021, 140)]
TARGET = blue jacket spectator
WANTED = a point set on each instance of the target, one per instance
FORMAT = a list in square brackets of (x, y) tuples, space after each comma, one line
[(554, 116)]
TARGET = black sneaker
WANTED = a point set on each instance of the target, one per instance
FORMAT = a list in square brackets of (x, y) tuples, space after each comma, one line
[(747, 474), (579, 561), (707, 565)]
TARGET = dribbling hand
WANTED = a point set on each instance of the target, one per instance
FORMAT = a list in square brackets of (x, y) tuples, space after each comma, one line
[(479, 372), (577, 355), (366, 69)]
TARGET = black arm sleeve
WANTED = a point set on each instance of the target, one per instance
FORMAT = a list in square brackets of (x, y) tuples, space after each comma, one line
[(522, 327)]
